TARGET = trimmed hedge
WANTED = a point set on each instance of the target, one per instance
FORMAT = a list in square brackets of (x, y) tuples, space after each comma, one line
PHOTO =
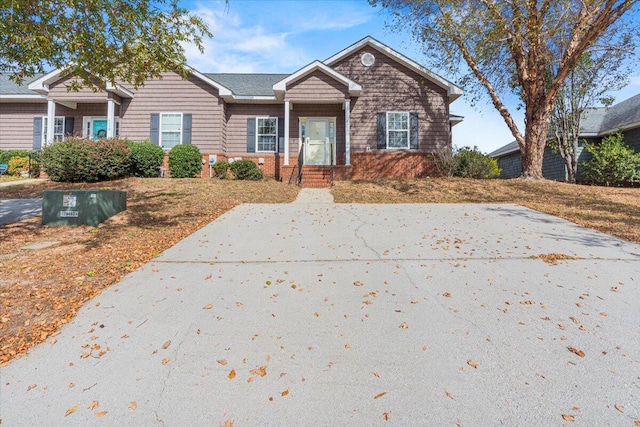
[(185, 161), (85, 160), (246, 169), (146, 158), (221, 168)]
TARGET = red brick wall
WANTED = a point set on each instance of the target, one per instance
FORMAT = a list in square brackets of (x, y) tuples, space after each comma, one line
[(380, 164)]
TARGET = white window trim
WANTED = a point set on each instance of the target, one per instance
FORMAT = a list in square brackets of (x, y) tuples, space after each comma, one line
[(160, 132), (408, 130), (86, 120), (258, 134), (44, 130)]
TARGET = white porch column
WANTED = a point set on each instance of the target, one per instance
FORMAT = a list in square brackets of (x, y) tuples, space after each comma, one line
[(51, 121), (111, 120), (347, 132), (286, 132)]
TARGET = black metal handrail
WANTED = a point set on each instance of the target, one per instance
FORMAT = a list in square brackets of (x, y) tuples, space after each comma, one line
[(300, 162), (333, 162)]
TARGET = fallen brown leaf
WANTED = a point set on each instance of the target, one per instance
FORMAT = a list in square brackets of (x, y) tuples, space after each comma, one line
[(569, 418), (284, 393), (576, 351), (101, 414), (446, 295), (93, 405), (619, 407), (472, 363), (222, 361), (232, 374), (133, 405), (166, 345), (379, 395), (261, 371), (357, 283), (404, 325), (227, 423), (449, 395), (165, 360), (71, 410), (386, 416)]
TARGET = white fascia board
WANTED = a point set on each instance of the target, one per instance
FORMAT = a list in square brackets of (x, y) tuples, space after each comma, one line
[(41, 85), (119, 90), (281, 86), (23, 98), (223, 91), (453, 91)]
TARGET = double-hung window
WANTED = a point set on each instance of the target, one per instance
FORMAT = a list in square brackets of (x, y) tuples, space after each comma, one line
[(266, 134), (58, 129), (170, 129), (397, 130)]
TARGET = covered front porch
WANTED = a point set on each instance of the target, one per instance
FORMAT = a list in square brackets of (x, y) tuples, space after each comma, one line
[(317, 121), (84, 112)]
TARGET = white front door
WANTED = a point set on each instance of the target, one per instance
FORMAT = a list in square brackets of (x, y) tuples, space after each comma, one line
[(317, 142)]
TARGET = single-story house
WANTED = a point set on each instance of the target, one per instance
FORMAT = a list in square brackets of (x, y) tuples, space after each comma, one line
[(368, 110), (596, 123)]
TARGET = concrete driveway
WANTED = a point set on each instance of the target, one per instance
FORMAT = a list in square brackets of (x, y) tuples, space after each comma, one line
[(316, 314), (14, 210)]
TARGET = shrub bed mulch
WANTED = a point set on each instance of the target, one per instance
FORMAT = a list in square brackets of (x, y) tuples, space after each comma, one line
[(43, 289)]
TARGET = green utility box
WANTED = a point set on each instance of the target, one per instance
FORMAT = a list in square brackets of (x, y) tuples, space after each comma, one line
[(78, 207)]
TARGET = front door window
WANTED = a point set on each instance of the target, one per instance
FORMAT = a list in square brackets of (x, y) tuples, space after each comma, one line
[(99, 129)]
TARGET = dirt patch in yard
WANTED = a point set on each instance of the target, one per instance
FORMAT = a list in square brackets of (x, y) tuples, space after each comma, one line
[(42, 289)]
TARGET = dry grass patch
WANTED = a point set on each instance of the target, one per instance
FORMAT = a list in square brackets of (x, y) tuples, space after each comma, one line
[(43, 289), (613, 211)]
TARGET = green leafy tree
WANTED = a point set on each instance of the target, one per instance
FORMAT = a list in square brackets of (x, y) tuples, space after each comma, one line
[(501, 47), (100, 41), (602, 68)]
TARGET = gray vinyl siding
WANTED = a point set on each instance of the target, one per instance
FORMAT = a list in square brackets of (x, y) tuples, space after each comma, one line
[(237, 115), (510, 165), (390, 86), (632, 138), (318, 87), (16, 121), (59, 90), (172, 94)]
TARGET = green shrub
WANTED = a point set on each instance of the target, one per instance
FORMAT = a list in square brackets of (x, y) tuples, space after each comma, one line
[(6, 155), (146, 158), (613, 162), (85, 160), (472, 163), (185, 161), (246, 169), (17, 165), (221, 168)]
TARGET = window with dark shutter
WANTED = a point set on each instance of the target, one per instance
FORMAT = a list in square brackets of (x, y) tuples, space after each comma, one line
[(251, 135), (414, 131), (37, 133), (154, 132), (382, 131), (186, 128), (280, 134)]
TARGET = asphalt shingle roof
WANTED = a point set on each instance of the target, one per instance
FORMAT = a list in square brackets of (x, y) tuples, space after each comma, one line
[(248, 84), (622, 114), (8, 87), (596, 121)]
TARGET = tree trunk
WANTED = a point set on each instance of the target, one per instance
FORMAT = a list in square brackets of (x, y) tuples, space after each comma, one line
[(536, 127)]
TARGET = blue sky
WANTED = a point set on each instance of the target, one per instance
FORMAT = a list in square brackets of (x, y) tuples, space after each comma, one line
[(281, 36)]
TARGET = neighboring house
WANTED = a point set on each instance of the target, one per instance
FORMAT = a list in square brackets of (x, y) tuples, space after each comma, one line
[(595, 125), (372, 110)]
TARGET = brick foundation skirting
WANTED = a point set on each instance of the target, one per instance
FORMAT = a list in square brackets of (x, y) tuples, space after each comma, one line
[(364, 165)]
